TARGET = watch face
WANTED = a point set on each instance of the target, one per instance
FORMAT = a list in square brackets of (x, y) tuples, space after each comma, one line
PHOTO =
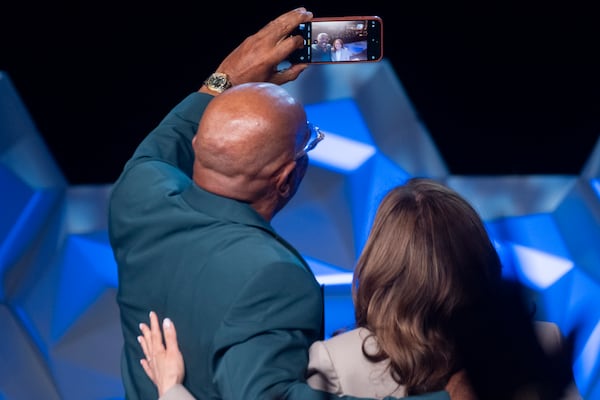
[(218, 82)]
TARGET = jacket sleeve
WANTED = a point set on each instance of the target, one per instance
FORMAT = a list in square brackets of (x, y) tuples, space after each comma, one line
[(260, 350), (170, 141)]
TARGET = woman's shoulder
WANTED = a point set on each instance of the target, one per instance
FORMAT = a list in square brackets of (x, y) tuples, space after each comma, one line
[(341, 361), (348, 338)]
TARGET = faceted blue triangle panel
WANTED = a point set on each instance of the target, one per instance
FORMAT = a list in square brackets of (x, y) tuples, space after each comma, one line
[(59, 319)]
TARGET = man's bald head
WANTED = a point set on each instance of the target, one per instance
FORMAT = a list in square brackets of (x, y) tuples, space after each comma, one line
[(246, 138)]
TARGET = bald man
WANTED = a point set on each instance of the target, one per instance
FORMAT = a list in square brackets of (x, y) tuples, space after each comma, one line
[(249, 146), (190, 227)]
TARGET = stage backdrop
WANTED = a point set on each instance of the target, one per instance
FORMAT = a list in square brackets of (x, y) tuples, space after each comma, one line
[(59, 323)]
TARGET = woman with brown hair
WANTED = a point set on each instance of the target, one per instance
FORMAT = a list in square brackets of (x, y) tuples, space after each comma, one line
[(430, 301), (427, 258)]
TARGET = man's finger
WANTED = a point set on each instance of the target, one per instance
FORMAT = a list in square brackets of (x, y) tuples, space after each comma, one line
[(288, 74)]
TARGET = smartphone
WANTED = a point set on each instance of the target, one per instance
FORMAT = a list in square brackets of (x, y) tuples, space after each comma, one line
[(340, 40)]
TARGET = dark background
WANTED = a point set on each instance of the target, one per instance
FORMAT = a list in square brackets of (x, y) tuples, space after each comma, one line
[(503, 87)]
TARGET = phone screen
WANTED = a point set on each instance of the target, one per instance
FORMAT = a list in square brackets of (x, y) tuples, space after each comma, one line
[(340, 39)]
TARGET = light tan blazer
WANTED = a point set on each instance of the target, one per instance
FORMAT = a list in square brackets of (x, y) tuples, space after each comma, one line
[(338, 365)]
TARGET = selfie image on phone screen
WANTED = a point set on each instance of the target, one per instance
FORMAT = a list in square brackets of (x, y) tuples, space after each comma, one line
[(340, 39)]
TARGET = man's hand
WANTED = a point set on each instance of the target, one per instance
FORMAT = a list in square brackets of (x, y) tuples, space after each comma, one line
[(257, 57)]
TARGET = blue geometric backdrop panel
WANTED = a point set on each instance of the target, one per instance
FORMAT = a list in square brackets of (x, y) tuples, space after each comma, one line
[(59, 321)]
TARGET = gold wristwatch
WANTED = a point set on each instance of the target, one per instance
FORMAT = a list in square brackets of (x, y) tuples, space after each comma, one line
[(217, 82)]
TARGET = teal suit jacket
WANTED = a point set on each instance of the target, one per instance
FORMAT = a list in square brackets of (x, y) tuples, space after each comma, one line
[(245, 303)]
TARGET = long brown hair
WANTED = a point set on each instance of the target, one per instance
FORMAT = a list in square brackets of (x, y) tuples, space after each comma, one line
[(428, 258)]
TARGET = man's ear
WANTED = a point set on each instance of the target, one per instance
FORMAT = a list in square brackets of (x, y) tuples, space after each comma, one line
[(285, 180)]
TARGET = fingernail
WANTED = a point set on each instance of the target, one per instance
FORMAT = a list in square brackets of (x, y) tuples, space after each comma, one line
[(167, 323), (140, 326), (139, 339)]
